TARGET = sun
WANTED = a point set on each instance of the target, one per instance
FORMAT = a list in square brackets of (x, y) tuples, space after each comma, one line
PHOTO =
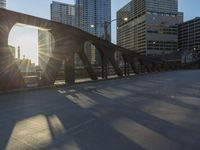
[(27, 39)]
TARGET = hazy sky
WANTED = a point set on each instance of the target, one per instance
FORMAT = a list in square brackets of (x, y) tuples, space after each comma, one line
[(41, 8)]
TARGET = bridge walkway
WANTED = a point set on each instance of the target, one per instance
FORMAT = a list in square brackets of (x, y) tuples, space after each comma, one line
[(159, 111)]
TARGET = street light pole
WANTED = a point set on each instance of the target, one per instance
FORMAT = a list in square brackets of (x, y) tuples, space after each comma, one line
[(107, 38), (106, 25), (106, 30)]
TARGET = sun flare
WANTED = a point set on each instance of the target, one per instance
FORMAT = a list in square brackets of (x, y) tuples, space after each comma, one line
[(27, 39)]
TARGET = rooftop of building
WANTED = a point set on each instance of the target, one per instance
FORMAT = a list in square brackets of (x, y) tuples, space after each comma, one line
[(191, 21), (62, 3)]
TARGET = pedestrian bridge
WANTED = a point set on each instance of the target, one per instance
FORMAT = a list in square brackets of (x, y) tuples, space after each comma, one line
[(68, 42), (159, 111)]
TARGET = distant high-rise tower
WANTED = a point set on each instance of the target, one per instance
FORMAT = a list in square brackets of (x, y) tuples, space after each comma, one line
[(63, 13), (2, 3), (60, 12), (152, 26), (95, 13)]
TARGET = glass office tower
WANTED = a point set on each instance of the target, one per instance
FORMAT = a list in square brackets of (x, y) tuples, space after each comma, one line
[(60, 12), (63, 13), (95, 13)]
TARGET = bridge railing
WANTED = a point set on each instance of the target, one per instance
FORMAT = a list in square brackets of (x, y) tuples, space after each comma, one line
[(68, 42)]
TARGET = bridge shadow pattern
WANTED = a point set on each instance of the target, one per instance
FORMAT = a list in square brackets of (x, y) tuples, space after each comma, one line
[(154, 112)]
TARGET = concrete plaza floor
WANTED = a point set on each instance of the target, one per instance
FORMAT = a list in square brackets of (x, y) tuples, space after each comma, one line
[(159, 111)]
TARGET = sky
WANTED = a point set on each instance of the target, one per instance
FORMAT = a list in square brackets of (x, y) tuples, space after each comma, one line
[(26, 38)]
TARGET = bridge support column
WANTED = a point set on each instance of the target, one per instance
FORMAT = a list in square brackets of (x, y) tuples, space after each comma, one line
[(115, 66), (147, 67), (104, 65), (126, 69), (132, 62), (142, 66), (10, 75), (109, 56), (69, 69), (159, 67), (86, 62), (153, 67)]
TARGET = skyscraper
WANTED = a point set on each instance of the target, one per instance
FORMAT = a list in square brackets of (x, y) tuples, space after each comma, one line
[(2, 3), (189, 35), (152, 27), (63, 13), (60, 12), (93, 12), (81, 15)]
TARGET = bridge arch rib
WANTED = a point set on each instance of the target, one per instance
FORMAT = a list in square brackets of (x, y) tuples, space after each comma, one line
[(68, 42)]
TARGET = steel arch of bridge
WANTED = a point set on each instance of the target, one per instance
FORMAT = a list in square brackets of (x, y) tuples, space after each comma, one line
[(68, 41)]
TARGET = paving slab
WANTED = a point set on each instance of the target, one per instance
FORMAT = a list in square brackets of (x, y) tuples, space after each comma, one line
[(159, 111)]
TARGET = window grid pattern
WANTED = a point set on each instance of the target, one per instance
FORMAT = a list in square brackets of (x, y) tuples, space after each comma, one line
[(152, 26), (63, 13), (189, 35)]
